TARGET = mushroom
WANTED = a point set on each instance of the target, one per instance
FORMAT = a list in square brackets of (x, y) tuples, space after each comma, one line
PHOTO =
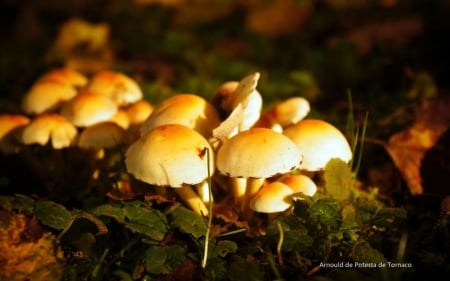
[(278, 196), (273, 197), (139, 111), (256, 154), (319, 142), (172, 155), (101, 135), (122, 89), (88, 108), (284, 114), (231, 94), (189, 110), (10, 128), (299, 183), (49, 127), (66, 76), (46, 95)]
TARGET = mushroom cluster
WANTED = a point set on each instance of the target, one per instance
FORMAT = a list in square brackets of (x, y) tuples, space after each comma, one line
[(258, 159), (226, 150), (67, 110)]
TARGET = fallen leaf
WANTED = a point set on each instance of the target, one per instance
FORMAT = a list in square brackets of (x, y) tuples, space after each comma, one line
[(409, 147), (34, 256)]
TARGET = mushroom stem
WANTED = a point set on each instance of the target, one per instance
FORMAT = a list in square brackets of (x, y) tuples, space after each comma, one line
[(253, 186), (188, 195), (203, 192), (238, 186)]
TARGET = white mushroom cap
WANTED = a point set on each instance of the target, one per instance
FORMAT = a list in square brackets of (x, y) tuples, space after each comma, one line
[(189, 110), (319, 141), (88, 108), (272, 198), (46, 95), (257, 153), (169, 155), (233, 93), (119, 87), (49, 127)]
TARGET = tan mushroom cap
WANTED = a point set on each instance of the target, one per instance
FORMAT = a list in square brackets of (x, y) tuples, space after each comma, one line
[(300, 183), (190, 110), (119, 87), (121, 118), (139, 111), (285, 113), (46, 95), (67, 76), (10, 125), (272, 198), (102, 135), (9, 122), (319, 141), (88, 108), (169, 155), (49, 127)]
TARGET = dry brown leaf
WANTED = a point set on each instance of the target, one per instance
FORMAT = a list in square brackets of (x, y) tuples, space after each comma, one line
[(28, 253), (410, 149)]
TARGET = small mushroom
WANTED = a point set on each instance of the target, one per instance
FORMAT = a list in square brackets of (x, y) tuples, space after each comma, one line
[(49, 127), (88, 108), (273, 197), (46, 95), (66, 76), (256, 154), (189, 110), (172, 155), (119, 87), (284, 114), (10, 129), (319, 141)]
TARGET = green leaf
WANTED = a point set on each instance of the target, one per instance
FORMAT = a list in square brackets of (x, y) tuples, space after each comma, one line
[(338, 179), (242, 270), (136, 217), (222, 248), (53, 215), (386, 216), (327, 212), (188, 222), (364, 253), (297, 240), (161, 260), (20, 203)]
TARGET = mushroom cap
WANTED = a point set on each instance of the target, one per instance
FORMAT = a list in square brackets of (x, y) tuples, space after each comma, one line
[(257, 153), (121, 118), (88, 108), (119, 87), (226, 100), (169, 155), (139, 111), (10, 129), (101, 135), (189, 110), (319, 141), (9, 122), (300, 183), (271, 198), (65, 75), (49, 127), (46, 95)]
